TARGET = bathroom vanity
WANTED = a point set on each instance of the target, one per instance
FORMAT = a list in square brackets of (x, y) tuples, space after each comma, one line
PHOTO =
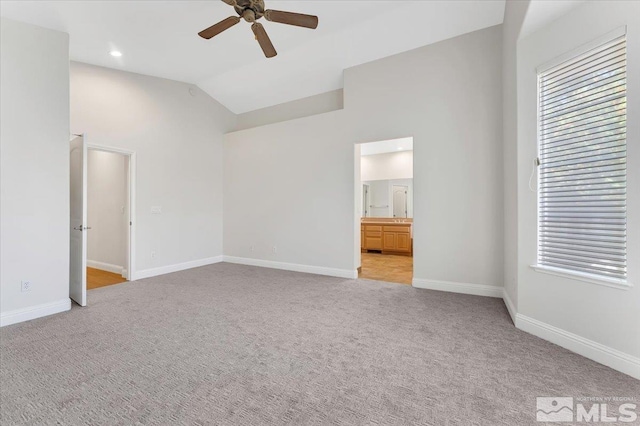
[(387, 235)]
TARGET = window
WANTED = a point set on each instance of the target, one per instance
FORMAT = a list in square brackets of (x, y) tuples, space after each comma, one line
[(582, 151)]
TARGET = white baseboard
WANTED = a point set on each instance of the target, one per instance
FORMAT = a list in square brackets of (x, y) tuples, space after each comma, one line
[(319, 270), (33, 312), (509, 304), (454, 287), (610, 357), (147, 273), (116, 269)]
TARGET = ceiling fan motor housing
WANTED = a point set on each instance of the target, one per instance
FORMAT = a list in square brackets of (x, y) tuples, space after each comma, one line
[(243, 8)]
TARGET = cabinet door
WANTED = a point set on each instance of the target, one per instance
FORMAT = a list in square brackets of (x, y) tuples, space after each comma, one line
[(403, 242), (389, 241), (363, 242)]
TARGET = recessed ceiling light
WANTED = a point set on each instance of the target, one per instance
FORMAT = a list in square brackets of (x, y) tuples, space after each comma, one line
[(115, 53)]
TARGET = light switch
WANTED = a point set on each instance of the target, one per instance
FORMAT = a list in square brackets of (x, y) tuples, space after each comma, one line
[(156, 210)]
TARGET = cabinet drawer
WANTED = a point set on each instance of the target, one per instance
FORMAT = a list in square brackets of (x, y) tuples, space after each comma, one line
[(373, 243), (397, 229), (373, 228), (373, 234)]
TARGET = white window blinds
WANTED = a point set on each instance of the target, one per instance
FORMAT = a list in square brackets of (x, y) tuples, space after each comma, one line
[(582, 149)]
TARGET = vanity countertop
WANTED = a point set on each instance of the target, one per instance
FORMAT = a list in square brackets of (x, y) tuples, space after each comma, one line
[(385, 222)]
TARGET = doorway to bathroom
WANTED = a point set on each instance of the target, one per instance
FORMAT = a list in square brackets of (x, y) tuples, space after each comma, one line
[(386, 210)]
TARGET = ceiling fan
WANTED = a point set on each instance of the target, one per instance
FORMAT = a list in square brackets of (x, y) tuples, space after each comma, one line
[(251, 11)]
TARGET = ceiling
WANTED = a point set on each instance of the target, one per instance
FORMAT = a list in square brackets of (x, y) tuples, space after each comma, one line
[(540, 13), (383, 147), (159, 38)]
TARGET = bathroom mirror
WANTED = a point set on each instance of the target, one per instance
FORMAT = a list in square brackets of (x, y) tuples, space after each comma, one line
[(392, 198)]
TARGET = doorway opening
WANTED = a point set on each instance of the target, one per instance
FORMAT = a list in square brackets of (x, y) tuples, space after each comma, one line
[(102, 182), (385, 215), (107, 215)]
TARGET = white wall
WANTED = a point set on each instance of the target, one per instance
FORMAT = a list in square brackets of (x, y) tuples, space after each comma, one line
[(514, 14), (391, 165), (448, 97), (107, 209), (177, 138), (291, 185), (34, 172), (305, 107), (601, 315)]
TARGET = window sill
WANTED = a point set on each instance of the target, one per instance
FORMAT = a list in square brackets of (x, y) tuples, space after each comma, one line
[(579, 276)]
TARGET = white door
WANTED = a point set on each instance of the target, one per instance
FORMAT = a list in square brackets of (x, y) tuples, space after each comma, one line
[(78, 229), (399, 201)]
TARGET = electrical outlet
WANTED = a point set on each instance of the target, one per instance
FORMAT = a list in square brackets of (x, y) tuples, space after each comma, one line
[(274, 249), (156, 210), (153, 254), (25, 286), (252, 248)]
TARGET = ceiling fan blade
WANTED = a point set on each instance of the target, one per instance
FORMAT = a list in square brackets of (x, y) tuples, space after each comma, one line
[(290, 18), (216, 29), (230, 2), (263, 39)]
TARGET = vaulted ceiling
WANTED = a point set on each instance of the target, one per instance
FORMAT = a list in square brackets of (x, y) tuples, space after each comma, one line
[(159, 38)]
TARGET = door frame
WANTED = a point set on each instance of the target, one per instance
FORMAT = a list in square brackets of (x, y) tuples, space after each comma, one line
[(131, 189), (357, 201)]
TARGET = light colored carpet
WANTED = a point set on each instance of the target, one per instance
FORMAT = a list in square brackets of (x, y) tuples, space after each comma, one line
[(229, 344)]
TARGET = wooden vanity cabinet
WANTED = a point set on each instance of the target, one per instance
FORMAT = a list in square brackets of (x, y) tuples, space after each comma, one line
[(387, 237)]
